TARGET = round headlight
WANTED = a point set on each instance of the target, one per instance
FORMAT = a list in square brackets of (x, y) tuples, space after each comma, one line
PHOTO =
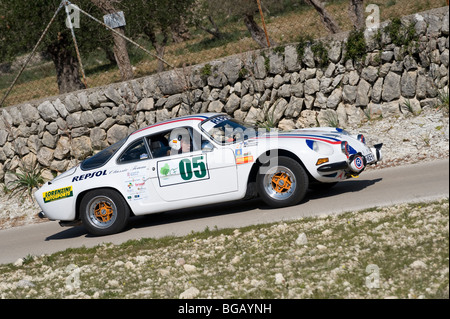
[(361, 138)]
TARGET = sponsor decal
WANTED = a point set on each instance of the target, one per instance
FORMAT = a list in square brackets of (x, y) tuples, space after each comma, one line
[(88, 175), (165, 170), (244, 159), (187, 169), (59, 193), (359, 164), (136, 188)]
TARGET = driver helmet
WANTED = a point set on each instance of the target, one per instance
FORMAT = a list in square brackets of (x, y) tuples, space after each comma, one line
[(176, 136)]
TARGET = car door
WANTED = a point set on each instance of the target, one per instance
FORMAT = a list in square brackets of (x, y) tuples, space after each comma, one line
[(194, 174)]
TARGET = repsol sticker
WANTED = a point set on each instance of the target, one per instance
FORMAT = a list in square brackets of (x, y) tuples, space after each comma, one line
[(88, 175), (59, 193)]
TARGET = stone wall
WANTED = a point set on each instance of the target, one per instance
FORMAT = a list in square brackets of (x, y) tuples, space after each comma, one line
[(276, 85)]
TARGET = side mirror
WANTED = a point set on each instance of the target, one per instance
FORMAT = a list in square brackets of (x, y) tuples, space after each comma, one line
[(207, 146)]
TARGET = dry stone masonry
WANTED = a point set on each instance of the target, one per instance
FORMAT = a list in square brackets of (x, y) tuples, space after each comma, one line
[(270, 85)]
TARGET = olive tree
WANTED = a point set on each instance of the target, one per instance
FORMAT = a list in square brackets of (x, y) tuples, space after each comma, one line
[(156, 20), (23, 22)]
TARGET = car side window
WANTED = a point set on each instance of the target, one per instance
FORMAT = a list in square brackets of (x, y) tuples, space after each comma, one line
[(137, 151), (172, 142), (159, 145)]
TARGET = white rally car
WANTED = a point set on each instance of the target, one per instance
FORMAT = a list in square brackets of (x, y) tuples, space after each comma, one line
[(197, 160)]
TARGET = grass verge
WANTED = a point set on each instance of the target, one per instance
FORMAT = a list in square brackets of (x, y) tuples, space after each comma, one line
[(391, 252)]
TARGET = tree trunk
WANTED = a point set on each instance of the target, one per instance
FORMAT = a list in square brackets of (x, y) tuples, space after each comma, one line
[(66, 66), (160, 47), (327, 19), (109, 54), (180, 32), (257, 32), (356, 12), (120, 44), (214, 31), (121, 55)]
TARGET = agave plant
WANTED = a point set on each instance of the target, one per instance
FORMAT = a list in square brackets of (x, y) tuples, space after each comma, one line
[(27, 180), (268, 122)]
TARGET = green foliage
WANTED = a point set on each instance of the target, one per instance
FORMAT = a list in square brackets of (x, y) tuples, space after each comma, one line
[(266, 60), (399, 33), (444, 99), (332, 120), (206, 70), (279, 49), (269, 121), (303, 43), (243, 72), (157, 16), (356, 45), (26, 181), (320, 51), (23, 22), (378, 37), (408, 105)]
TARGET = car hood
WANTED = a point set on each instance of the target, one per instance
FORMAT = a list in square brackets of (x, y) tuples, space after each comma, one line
[(329, 133), (326, 134)]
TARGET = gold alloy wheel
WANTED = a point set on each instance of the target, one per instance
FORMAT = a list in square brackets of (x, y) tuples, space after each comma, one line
[(281, 182), (101, 211)]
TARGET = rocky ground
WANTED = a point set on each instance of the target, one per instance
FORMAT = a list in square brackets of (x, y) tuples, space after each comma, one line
[(391, 252), (406, 139)]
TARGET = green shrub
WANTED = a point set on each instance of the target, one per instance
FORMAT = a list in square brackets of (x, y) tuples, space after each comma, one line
[(320, 51), (303, 43), (399, 33), (356, 45), (206, 70), (444, 99), (26, 181)]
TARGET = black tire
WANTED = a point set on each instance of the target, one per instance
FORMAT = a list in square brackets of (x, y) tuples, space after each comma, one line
[(282, 184), (104, 212)]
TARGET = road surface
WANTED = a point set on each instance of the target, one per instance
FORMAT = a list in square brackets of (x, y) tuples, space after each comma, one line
[(411, 183)]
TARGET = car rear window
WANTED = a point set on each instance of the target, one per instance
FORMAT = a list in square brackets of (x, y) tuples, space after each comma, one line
[(102, 157)]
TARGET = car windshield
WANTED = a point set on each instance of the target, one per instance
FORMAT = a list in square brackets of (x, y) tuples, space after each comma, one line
[(223, 129), (100, 159)]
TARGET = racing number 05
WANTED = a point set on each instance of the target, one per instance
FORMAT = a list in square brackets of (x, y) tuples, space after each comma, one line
[(188, 169)]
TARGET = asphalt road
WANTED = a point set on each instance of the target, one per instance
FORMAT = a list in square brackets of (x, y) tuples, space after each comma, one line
[(411, 183)]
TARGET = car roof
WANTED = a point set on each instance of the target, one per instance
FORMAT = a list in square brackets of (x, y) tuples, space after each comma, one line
[(194, 117)]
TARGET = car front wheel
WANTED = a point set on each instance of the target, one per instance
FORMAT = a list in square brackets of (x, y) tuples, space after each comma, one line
[(282, 183), (104, 212)]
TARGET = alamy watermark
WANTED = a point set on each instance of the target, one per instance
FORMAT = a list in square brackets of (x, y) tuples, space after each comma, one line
[(373, 279), (73, 280), (73, 16), (373, 19)]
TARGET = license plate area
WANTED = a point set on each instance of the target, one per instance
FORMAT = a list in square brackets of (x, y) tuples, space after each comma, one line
[(370, 158)]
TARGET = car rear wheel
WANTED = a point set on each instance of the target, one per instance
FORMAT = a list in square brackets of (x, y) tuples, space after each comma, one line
[(283, 183), (104, 212)]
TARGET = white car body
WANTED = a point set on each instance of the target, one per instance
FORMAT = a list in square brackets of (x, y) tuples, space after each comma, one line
[(211, 173)]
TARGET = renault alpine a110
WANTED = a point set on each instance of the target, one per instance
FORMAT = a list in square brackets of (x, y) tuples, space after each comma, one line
[(198, 160)]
